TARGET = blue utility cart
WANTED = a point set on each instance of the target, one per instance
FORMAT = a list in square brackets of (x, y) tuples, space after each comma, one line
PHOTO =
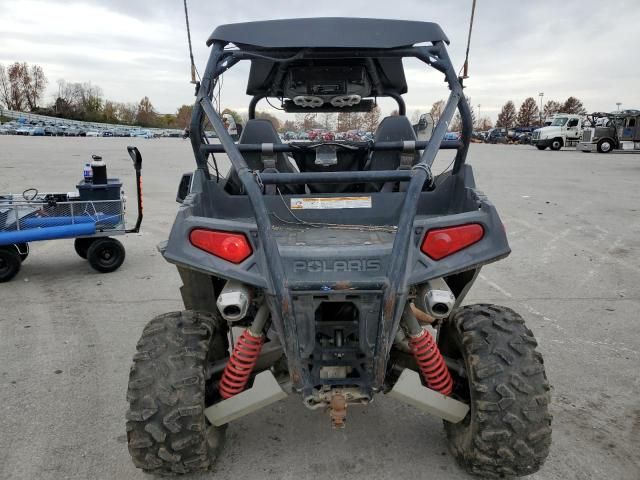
[(92, 217)]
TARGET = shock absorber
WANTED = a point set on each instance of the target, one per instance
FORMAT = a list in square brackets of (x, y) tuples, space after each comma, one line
[(430, 361), (244, 356), (432, 367)]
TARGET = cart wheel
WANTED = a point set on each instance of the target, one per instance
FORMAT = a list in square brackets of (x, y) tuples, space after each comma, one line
[(23, 250), (9, 263), (82, 246), (105, 254)]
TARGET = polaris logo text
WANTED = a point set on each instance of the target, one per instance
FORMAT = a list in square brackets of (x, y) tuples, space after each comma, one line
[(322, 266)]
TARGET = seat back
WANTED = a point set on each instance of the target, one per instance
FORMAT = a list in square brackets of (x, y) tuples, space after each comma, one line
[(392, 129), (261, 131)]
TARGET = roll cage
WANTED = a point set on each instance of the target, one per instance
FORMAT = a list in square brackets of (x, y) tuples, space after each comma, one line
[(400, 40)]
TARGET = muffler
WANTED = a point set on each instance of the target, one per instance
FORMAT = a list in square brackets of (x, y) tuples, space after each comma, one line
[(233, 301), (435, 298)]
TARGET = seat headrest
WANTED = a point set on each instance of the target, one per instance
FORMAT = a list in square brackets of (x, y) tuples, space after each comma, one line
[(259, 130), (395, 128)]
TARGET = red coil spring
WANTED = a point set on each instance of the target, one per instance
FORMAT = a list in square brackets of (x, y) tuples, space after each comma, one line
[(431, 364), (238, 369)]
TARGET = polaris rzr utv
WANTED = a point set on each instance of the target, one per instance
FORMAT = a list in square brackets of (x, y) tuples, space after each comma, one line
[(334, 270)]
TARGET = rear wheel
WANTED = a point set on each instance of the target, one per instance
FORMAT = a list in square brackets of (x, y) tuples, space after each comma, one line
[(556, 144), (508, 428), (167, 430), (106, 254), (9, 262), (82, 245), (605, 145), (541, 147)]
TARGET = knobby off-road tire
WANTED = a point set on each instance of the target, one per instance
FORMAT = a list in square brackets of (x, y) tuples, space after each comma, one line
[(167, 431), (508, 429)]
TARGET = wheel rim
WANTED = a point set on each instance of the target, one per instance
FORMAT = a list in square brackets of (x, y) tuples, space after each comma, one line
[(556, 144), (606, 146), (107, 256)]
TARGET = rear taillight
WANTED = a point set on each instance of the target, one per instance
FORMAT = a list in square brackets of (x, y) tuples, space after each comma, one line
[(232, 247), (442, 242)]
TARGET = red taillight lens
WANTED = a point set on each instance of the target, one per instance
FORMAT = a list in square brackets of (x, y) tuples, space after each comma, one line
[(442, 242), (232, 247)]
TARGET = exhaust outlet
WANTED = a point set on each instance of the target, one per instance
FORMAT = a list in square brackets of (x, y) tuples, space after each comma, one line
[(233, 301), (436, 298)]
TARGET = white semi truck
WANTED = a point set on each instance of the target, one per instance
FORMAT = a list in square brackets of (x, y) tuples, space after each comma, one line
[(565, 131)]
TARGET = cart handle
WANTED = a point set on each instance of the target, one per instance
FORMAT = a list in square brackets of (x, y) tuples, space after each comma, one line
[(134, 153)]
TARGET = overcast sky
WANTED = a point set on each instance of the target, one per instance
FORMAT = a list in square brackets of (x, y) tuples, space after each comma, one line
[(132, 48)]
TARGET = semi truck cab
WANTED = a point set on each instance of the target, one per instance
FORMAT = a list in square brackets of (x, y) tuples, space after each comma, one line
[(613, 131), (564, 131)]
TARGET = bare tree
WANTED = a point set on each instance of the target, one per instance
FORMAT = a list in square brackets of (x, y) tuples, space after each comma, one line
[(34, 83), (328, 120), (146, 115), (371, 119), (13, 89), (110, 112), (550, 108), (528, 114), (456, 124), (272, 118), (507, 116), (183, 115), (288, 125), (21, 87), (573, 105), (436, 110), (307, 120), (127, 112), (485, 123), (5, 87)]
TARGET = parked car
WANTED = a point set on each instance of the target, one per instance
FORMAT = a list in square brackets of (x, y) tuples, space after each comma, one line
[(452, 136), (38, 132), (497, 135), (24, 130), (142, 134), (328, 136), (93, 133)]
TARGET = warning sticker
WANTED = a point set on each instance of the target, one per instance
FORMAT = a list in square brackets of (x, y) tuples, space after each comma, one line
[(330, 203)]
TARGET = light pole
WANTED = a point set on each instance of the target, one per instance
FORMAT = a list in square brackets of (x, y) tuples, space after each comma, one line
[(618, 104), (541, 95), (479, 126)]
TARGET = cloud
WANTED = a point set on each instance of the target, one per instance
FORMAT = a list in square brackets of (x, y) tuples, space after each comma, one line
[(518, 49)]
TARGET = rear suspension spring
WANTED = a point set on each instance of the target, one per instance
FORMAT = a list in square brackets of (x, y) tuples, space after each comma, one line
[(240, 365), (430, 361)]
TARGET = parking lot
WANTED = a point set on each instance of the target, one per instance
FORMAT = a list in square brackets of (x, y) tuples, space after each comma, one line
[(67, 333)]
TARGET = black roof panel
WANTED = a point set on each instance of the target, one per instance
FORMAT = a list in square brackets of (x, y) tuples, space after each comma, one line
[(329, 32)]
